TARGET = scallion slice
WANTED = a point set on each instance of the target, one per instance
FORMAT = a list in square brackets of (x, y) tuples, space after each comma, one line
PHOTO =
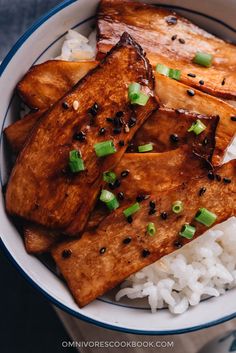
[(198, 127), (177, 207), (145, 148), (76, 163), (163, 69), (205, 217), (109, 177), (187, 231), (104, 148), (166, 71), (151, 229), (203, 59), (142, 99), (134, 91), (131, 210), (175, 74), (109, 199)]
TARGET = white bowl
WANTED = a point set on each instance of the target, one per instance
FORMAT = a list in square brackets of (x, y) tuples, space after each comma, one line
[(41, 42)]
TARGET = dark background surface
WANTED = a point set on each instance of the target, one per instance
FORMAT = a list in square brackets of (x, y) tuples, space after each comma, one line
[(28, 324)]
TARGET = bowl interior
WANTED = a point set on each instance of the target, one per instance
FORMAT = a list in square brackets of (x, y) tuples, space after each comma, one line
[(42, 42)]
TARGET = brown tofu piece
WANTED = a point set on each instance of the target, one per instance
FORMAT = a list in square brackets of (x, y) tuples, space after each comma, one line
[(101, 260), (164, 123), (46, 83), (39, 240), (154, 27), (174, 168), (18, 132), (173, 95), (201, 103), (40, 189)]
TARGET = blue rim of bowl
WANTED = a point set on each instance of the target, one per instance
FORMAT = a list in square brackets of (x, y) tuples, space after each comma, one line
[(54, 301)]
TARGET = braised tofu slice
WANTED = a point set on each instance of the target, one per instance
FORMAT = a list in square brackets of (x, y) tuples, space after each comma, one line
[(39, 240), (168, 129), (46, 83), (173, 95), (18, 132), (101, 260), (171, 40), (41, 188)]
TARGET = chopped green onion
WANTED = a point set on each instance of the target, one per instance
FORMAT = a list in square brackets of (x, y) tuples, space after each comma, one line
[(134, 91), (203, 59), (151, 229), (205, 217), (163, 69), (109, 177), (109, 199), (177, 207), (145, 148), (76, 163), (166, 71), (198, 127), (187, 231), (175, 74), (142, 99), (104, 148), (131, 210)]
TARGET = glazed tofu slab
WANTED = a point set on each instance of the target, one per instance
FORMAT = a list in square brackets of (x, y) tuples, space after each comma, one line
[(171, 40), (41, 188), (100, 260)]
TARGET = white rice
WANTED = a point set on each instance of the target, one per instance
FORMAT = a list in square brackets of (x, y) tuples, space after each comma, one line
[(205, 267)]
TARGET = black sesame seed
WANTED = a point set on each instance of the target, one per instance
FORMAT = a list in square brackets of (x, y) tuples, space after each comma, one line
[(125, 173), (205, 141), (145, 253), (127, 240), (121, 143), (80, 136), (119, 114), (152, 204), (94, 109), (211, 175), (218, 177), (178, 244), (164, 215), (65, 105), (140, 198), (182, 41), (201, 82), (191, 92), (171, 20), (109, 120), (233, 118), (174, 37), (174, 138), (191, 75), (132, 122), (129, 219), (114, 185), (102, 251), (121, 196), (202, 191), (117, 131), (227, 180), (152, 211), (223, 81), (102, 131), (66, 253), (117, 122)]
